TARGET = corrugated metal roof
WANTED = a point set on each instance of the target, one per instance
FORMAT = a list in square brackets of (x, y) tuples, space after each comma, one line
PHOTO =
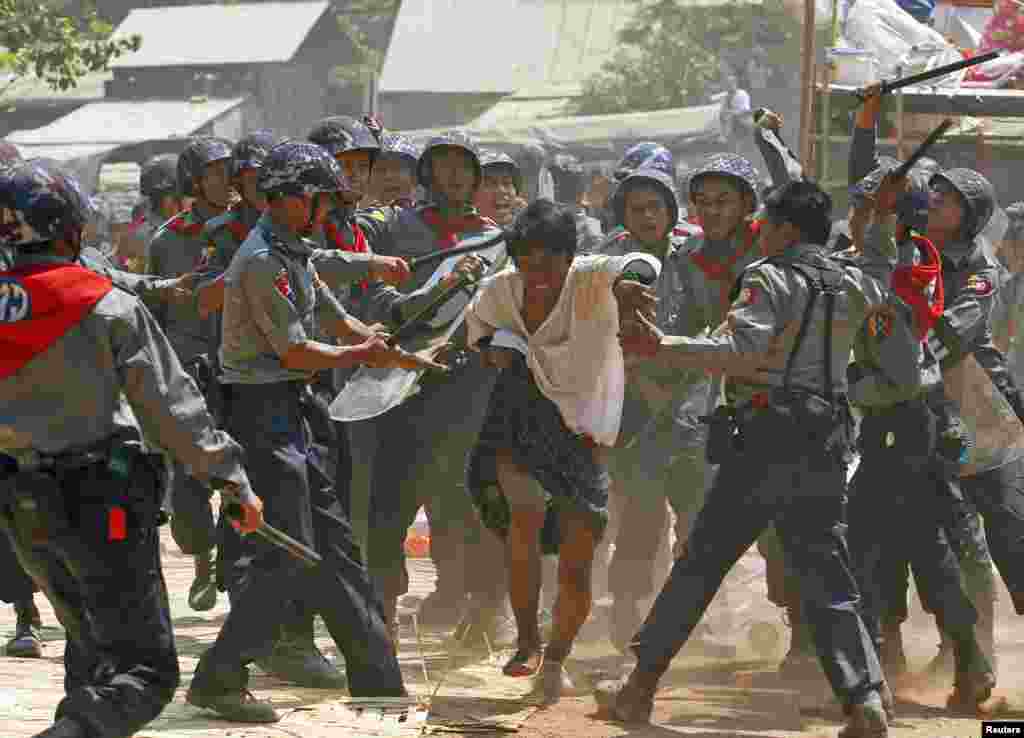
[(89, 87), (666, 126), (120, 123), (203, 35), (502, 45)]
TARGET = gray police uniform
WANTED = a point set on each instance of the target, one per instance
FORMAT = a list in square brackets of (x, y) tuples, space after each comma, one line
[(904, 492), (273, 300), (69, 409), (178, 247), (434, 430), (789, 469)]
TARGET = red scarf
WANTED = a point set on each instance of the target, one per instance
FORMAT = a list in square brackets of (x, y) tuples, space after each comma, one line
[(39, 304), (721, 271), (184, 224), (911, 282), (447, 230), (357, 245)]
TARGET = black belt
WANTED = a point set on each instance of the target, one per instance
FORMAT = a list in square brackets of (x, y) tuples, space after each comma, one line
[(32, 460)]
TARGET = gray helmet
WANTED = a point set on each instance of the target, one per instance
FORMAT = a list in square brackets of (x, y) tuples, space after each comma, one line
[(450, 139), (159, 176), (252, 150), (490, 159), (978, 195), (47, 203), (198, 155), (300, 168), (648, 178), (342, 133), (396, 146), (732, 166)]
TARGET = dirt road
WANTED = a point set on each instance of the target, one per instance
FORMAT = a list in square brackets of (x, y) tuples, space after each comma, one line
[(709, 699)]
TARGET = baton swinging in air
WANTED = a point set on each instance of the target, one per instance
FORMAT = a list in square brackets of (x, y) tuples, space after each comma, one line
[(888, 86)]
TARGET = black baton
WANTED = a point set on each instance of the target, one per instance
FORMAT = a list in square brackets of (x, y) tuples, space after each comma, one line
[(272, 535), (895, 84), (921, 150), (457, 251)]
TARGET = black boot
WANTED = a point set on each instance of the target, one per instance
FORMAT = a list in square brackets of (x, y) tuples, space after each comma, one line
[(202, 595), (26, 643), (64, 728), (296, 658), (974, 679), (629, 700)]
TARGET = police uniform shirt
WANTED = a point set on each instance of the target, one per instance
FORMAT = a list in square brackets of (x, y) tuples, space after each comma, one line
[(881, 345), (753, 343), (178, 248), (273, 299), (405, 233), (962, 340), (76, 392)]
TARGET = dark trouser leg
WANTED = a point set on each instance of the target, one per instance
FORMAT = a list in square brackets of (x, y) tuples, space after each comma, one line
[(811, 524), (717, 540), (999, 497), (15, 584), (192, 523), (124, 670), (279, 466), (966, 534)]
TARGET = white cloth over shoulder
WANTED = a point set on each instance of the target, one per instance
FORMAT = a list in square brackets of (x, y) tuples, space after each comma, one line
[(575, 355)]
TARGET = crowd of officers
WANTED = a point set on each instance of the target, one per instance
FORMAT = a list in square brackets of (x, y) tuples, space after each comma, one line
[(275, 268)]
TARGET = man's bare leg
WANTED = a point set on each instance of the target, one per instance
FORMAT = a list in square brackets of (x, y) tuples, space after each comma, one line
[(575, 575), (524, 564)]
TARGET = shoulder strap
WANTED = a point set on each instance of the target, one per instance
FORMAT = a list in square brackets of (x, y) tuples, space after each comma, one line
[(805, 321)]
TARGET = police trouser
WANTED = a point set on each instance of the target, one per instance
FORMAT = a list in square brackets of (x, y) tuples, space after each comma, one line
[(419, 457), (121, 666), (15, 584), (192, 522), (804, 496), (899, 508), (641, 529), (998, 495), (270, 421)]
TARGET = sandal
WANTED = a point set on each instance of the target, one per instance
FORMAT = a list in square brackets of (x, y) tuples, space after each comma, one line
[(524, 662)]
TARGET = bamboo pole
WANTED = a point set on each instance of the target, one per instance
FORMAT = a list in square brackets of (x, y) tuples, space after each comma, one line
[(807, 86)]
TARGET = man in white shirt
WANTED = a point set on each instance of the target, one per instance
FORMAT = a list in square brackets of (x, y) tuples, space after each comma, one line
[(550, 325)]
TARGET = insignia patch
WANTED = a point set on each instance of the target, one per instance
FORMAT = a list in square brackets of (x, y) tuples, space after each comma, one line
[(283, 285), (979, 285), (14, 301), (880, 325)]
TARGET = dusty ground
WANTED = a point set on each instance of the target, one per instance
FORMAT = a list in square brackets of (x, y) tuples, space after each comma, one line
[(711, 699)]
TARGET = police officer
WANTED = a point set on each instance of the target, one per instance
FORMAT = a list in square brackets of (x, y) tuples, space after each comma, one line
[(179, 247), (275, 302), (784, 345), (642, 155), (80, 496), (962, 203), (158, 185), (437, 426), (570, 189), (393, 181), (912, 443), (500, 188), (16, 587)]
